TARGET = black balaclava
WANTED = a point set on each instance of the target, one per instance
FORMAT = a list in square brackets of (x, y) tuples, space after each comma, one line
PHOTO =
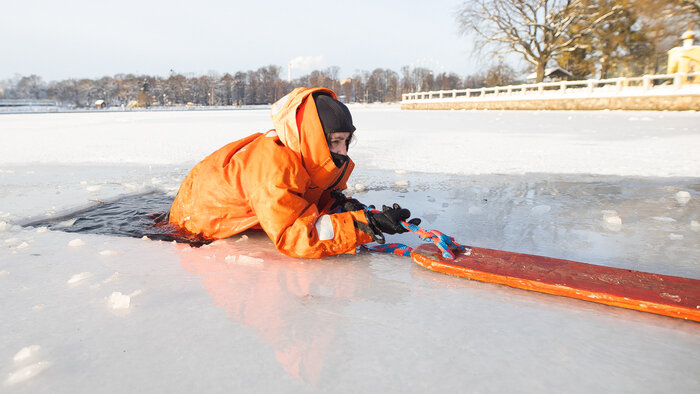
[(335, 117)]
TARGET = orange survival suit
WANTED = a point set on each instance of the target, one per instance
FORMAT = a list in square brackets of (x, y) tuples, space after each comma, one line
[(279, 181)]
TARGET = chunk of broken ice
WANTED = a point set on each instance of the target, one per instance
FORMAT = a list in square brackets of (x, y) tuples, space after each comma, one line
[(695, 225), (26, 353), (682, 197), (77, 278), (75, 243), (27, 372), (117, 300), (664, 219), (612, 220), (540, 209)]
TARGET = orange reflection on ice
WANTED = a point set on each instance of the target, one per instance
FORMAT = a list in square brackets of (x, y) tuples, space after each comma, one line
[(294, 305)]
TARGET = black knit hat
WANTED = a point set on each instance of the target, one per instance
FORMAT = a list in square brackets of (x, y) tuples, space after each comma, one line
[(334, 115)]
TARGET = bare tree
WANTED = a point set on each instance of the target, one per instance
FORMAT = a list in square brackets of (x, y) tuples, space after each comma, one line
[(499, 75), (31, 87), (539, 30), (444, 81), (392, 86), (239, 88), (475, 81), (269, 76), (359, 86), (382, 86)]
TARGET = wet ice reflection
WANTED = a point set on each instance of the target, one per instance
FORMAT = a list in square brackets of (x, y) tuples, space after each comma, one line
[(635, 223), (294, 305)]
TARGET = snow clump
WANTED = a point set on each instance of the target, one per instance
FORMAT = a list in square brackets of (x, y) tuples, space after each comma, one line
[(612, 220), (76, 243), (119, 301), (27, 373), (77, 278), (683, 197), (26, 353)]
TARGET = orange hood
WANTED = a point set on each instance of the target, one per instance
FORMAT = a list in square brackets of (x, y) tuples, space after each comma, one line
[(309, 142)]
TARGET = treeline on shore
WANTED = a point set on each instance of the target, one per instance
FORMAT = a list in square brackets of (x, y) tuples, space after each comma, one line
[(261, 86)]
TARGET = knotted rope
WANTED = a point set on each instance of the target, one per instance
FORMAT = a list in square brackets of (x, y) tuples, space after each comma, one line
[(447, 245)]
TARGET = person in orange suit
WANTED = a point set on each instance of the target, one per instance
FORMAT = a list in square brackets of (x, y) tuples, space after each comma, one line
[(287, 182)]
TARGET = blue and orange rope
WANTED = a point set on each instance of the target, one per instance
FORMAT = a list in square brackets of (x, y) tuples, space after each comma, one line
[(447, 245)]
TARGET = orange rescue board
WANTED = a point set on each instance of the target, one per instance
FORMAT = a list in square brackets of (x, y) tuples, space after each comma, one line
[(661, 294)]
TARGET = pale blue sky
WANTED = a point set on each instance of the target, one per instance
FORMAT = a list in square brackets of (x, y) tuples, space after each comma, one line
[(89, 39)]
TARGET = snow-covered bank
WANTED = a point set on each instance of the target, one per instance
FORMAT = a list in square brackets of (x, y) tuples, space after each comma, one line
[(97, 313)]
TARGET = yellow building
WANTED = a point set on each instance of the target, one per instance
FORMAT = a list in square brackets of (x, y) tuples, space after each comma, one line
[(685, 59)]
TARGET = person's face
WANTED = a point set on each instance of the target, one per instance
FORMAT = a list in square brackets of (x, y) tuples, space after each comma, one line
[(338, 142)]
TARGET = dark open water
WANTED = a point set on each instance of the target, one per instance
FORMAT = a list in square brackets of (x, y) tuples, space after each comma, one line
[(131, 216)]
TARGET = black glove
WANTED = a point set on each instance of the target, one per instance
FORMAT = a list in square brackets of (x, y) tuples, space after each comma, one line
[(376, 235), (389, 220), (345, 204)]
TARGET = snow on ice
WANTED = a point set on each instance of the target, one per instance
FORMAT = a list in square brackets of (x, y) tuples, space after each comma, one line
[(26, 353), (76, 279), (27, 373), (117, 300), (76, 243), (683, 197), (611, 188)]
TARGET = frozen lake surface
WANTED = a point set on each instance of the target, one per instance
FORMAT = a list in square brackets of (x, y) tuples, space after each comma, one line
[(91, 312)]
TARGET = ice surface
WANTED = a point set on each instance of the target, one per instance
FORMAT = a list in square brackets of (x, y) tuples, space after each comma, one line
[(236, 315), (110, 253)]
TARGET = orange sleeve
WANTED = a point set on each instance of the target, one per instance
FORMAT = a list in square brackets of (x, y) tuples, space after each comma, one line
[(276, 197)]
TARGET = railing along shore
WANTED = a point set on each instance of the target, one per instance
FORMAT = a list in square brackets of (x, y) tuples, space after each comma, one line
[(613, 93)]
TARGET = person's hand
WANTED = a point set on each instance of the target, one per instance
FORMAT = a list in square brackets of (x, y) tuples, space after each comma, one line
[(352, 204), (346, 204), (389, 219)]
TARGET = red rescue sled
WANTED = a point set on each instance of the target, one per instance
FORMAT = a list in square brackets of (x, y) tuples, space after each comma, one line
[(661, 294)]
